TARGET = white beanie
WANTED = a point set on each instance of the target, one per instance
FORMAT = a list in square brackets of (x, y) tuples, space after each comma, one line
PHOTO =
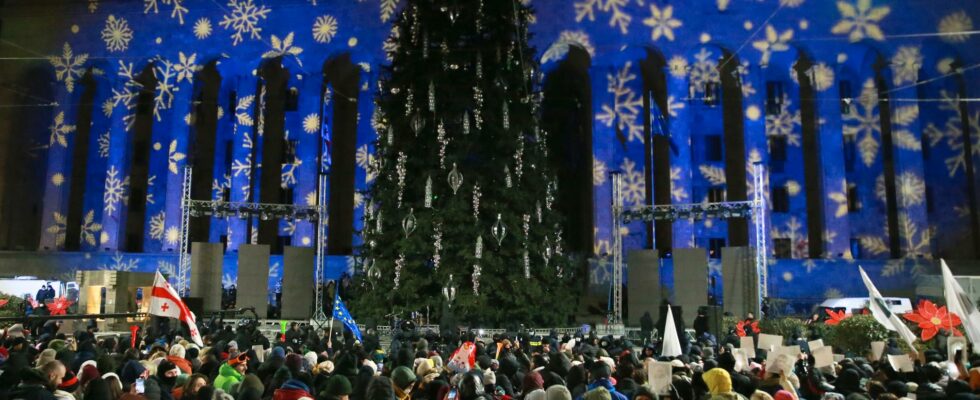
[(310, 358), (178, 351)]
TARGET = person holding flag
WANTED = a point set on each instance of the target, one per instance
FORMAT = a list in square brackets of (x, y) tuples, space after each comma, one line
[(884, 315), (340, 312), (164, 302)]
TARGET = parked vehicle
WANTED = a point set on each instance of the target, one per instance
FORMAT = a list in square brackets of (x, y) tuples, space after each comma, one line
[(854, 305)]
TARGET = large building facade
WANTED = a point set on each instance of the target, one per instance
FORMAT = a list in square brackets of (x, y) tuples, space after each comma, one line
[(862, 113)]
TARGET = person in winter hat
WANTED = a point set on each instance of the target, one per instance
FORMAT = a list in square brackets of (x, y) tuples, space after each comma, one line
[(338, 388), (293, 389), (558, 392), (251, 388), (177, 355), (46, 356), (231, 372), (719, 384), (131, 371), (160, 386), (599, 376), (69, 384), (402, 380)]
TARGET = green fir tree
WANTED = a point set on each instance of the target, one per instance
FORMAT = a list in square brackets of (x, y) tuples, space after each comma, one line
[(459, 106)]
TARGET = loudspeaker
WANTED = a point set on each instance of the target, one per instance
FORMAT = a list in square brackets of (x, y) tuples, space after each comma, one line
[(642, 284), (196, 305), (253, 277), (740, 288), (206, 260), (297, 282), (690, 278)]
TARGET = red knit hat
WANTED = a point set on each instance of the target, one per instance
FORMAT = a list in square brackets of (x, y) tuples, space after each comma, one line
[(89, 372)]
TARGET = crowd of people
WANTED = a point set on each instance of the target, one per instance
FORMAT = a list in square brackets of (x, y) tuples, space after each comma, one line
[(308, 364)]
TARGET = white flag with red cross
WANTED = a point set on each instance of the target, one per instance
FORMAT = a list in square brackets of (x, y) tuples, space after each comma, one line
[(164, 302)]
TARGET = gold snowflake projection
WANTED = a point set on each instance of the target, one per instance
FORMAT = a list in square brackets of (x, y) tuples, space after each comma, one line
[(58, 229), (116, 34), (158, 225), (172, 236), (905, 65), (864, 123), (793, 230), (791, 3), (93, 6), (186, 67), (704, 70), (163, 98), (115, 192), (60, 131), (773, 42), (821, 76), (559, 48), (634, 184), (57, 179), (177, 8), (288, 174), (713, 174), (784, 123), (833, 293), (677, 66), (107, 106), (103, 142), (218, 187), (128, 94), (387, 8), (860, 20), (626, 106), (952, 133), (955, 27), (202, 28), (311, 123), (599, 172), (390, 45), (243, 18), (311, 198), (743, 72), (68, 66), (677, 192), (284, 47), (793, 187), (618, 17), (174, 157), (673, 106), (662, 22), (840, 198), (89, 228), (365, 160), (903, 122), (243, 114), (909, 187), (324, 28), (600, 246)]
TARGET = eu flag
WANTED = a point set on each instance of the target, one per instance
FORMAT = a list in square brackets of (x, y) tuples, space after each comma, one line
[(340, 312)]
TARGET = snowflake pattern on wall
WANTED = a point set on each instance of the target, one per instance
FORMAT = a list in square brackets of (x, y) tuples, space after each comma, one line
[(365, 159), (283, 48), (618, 17), (58, 229), (677, 66), (704, 70), (177, 8), (634, 184), (174, 158), (784, 123), (218, 187), (955, 27), (662, 22), (60, 131), (599, 172), (387, 9), (905, 65), (243, 18), (202, 28), (158, 225), (116, 189), (626, 106), (120, 263), (860, 20), (288, 175), (311, 123), (840, 198), (793, 230), (89, 228), (559, 48), (821, 76), (186, 67), (103, 142), (116, 34), (773, 42), (951, 134), (677, 192), (68, 66), (864, 123), (324, 28), (243, 114)]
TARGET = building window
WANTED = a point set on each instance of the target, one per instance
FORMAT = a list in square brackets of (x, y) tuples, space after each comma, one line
[(853, 200), (850, 152), (714, 247), (292, 99), (716, 194), (782, 248), (289, 152), (780, 199), (713, 148), (777, 147), (774, 97), (845, 97)]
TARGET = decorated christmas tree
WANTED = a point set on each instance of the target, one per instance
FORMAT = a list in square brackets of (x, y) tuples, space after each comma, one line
[(461, 215)]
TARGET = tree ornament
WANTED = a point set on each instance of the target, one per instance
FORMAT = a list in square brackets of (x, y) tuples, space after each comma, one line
[(455, 179), (546, 251), (519, 156), (507, 181), (466, 124), (449, 291), (425, 45), (478, 252), (549, 197), (499, 231), (374, 272), (477, 113), (436, 245), (558, 250), (409, 223), (428, 192), (444, 49), (432, 96), (537, 209), (377, 222), (402, 172), (443, 143), (417, 124), (409, 101), (399, 264), (527, 264), (479, 66), (505, 117), (391, 136), (527, 225), (476, 279), (476, 201)]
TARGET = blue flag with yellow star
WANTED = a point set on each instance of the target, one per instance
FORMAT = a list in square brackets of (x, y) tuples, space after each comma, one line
[(340, 312)]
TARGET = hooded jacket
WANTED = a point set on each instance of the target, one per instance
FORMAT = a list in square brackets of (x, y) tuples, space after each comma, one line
[(293, 389), (227, 376)]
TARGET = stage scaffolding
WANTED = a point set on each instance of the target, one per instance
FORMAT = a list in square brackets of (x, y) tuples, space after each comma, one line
[(244, 210), (755, 208)]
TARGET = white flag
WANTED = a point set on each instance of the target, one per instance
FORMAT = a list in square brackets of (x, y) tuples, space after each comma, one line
[(672, 344), (164, 302), (884, 315), (957, 302)]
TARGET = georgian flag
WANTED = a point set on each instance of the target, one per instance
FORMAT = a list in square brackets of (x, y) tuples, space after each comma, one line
[(960, 304), (164, 302), (884, 315)]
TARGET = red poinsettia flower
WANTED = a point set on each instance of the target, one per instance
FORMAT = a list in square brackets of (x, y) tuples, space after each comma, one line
[(58, 306), (4, 302), (931, 319), (741, 326), (835, 316)]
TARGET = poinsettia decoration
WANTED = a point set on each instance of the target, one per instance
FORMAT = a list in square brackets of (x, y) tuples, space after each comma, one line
[(835, 317), (752, 327), (3, 302), (58, 306), (931, 319)]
